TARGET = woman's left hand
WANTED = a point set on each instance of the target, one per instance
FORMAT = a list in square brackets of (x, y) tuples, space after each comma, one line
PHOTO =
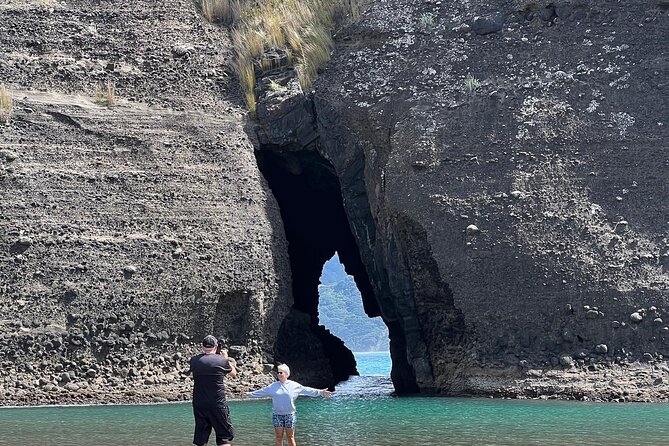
[(326, 393)]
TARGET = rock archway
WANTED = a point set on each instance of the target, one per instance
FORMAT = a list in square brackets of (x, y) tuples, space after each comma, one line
[(309, 196)]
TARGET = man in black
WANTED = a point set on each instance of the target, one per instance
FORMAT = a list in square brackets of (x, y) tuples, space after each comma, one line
[(210, 408)]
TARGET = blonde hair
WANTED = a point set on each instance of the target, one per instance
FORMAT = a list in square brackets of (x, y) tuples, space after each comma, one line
[(284, 368)]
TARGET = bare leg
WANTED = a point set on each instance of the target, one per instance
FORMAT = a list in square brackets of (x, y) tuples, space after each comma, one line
[(278, 431), (290, 434)]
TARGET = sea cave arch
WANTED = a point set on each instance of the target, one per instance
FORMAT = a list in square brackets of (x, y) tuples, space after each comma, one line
[(308, 192), (340, 310)]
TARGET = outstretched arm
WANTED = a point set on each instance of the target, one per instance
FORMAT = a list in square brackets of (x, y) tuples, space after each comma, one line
[(325, 393), (265, 391), (310, 391)]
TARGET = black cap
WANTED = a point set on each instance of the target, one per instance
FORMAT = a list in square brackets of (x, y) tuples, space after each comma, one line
[(209, 341)]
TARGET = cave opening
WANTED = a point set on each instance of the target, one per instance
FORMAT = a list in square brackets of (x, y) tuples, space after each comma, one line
[(308, 193)]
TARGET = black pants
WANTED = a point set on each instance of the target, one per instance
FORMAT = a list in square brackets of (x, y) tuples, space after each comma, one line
[(207, 418)]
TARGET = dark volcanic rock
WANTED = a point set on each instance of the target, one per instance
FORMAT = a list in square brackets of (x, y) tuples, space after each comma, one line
[(284, 113), (550, 138), (488, 24)]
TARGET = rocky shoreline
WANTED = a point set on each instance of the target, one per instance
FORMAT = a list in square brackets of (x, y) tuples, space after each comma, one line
[(147, 378), (116, 358), (619, 383), (91, 394)]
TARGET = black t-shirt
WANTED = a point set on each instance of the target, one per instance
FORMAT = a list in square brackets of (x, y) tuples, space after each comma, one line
[(208, 372)]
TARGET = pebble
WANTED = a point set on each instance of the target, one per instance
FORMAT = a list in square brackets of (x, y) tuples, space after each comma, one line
[(566, 361), (621, 227), (129, 271), (602, 349), (488, 24), (472, 230), (8, 155), (72, 387)]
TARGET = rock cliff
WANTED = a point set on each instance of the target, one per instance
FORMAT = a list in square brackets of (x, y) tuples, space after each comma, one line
[(493, 175), (503, 168), (128, 231), (513, 161)]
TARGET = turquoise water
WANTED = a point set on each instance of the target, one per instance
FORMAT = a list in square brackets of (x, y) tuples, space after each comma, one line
[(373, 363), (362, 412)]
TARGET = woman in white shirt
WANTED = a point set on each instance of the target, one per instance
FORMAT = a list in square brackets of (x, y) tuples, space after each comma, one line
[(284, 392)]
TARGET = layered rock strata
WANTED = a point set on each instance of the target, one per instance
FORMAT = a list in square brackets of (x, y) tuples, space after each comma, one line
[(128, 231)]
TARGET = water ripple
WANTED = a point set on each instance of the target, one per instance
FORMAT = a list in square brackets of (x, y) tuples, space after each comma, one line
[(365, 387)]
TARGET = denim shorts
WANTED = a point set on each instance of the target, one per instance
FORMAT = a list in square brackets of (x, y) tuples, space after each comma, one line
[(287, 421)]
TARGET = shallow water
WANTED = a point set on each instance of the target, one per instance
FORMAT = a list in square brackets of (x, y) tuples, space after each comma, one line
[(373, 363), (362, 412)]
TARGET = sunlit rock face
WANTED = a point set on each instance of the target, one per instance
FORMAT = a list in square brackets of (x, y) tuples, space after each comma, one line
[(503, 167), (493, 174)]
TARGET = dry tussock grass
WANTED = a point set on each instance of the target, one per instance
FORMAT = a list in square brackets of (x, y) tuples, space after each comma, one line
[(303, 28), (221, 11), (6, 104), (105, 94)]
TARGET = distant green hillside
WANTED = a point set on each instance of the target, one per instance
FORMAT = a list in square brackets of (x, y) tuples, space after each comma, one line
[(340, 310)]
